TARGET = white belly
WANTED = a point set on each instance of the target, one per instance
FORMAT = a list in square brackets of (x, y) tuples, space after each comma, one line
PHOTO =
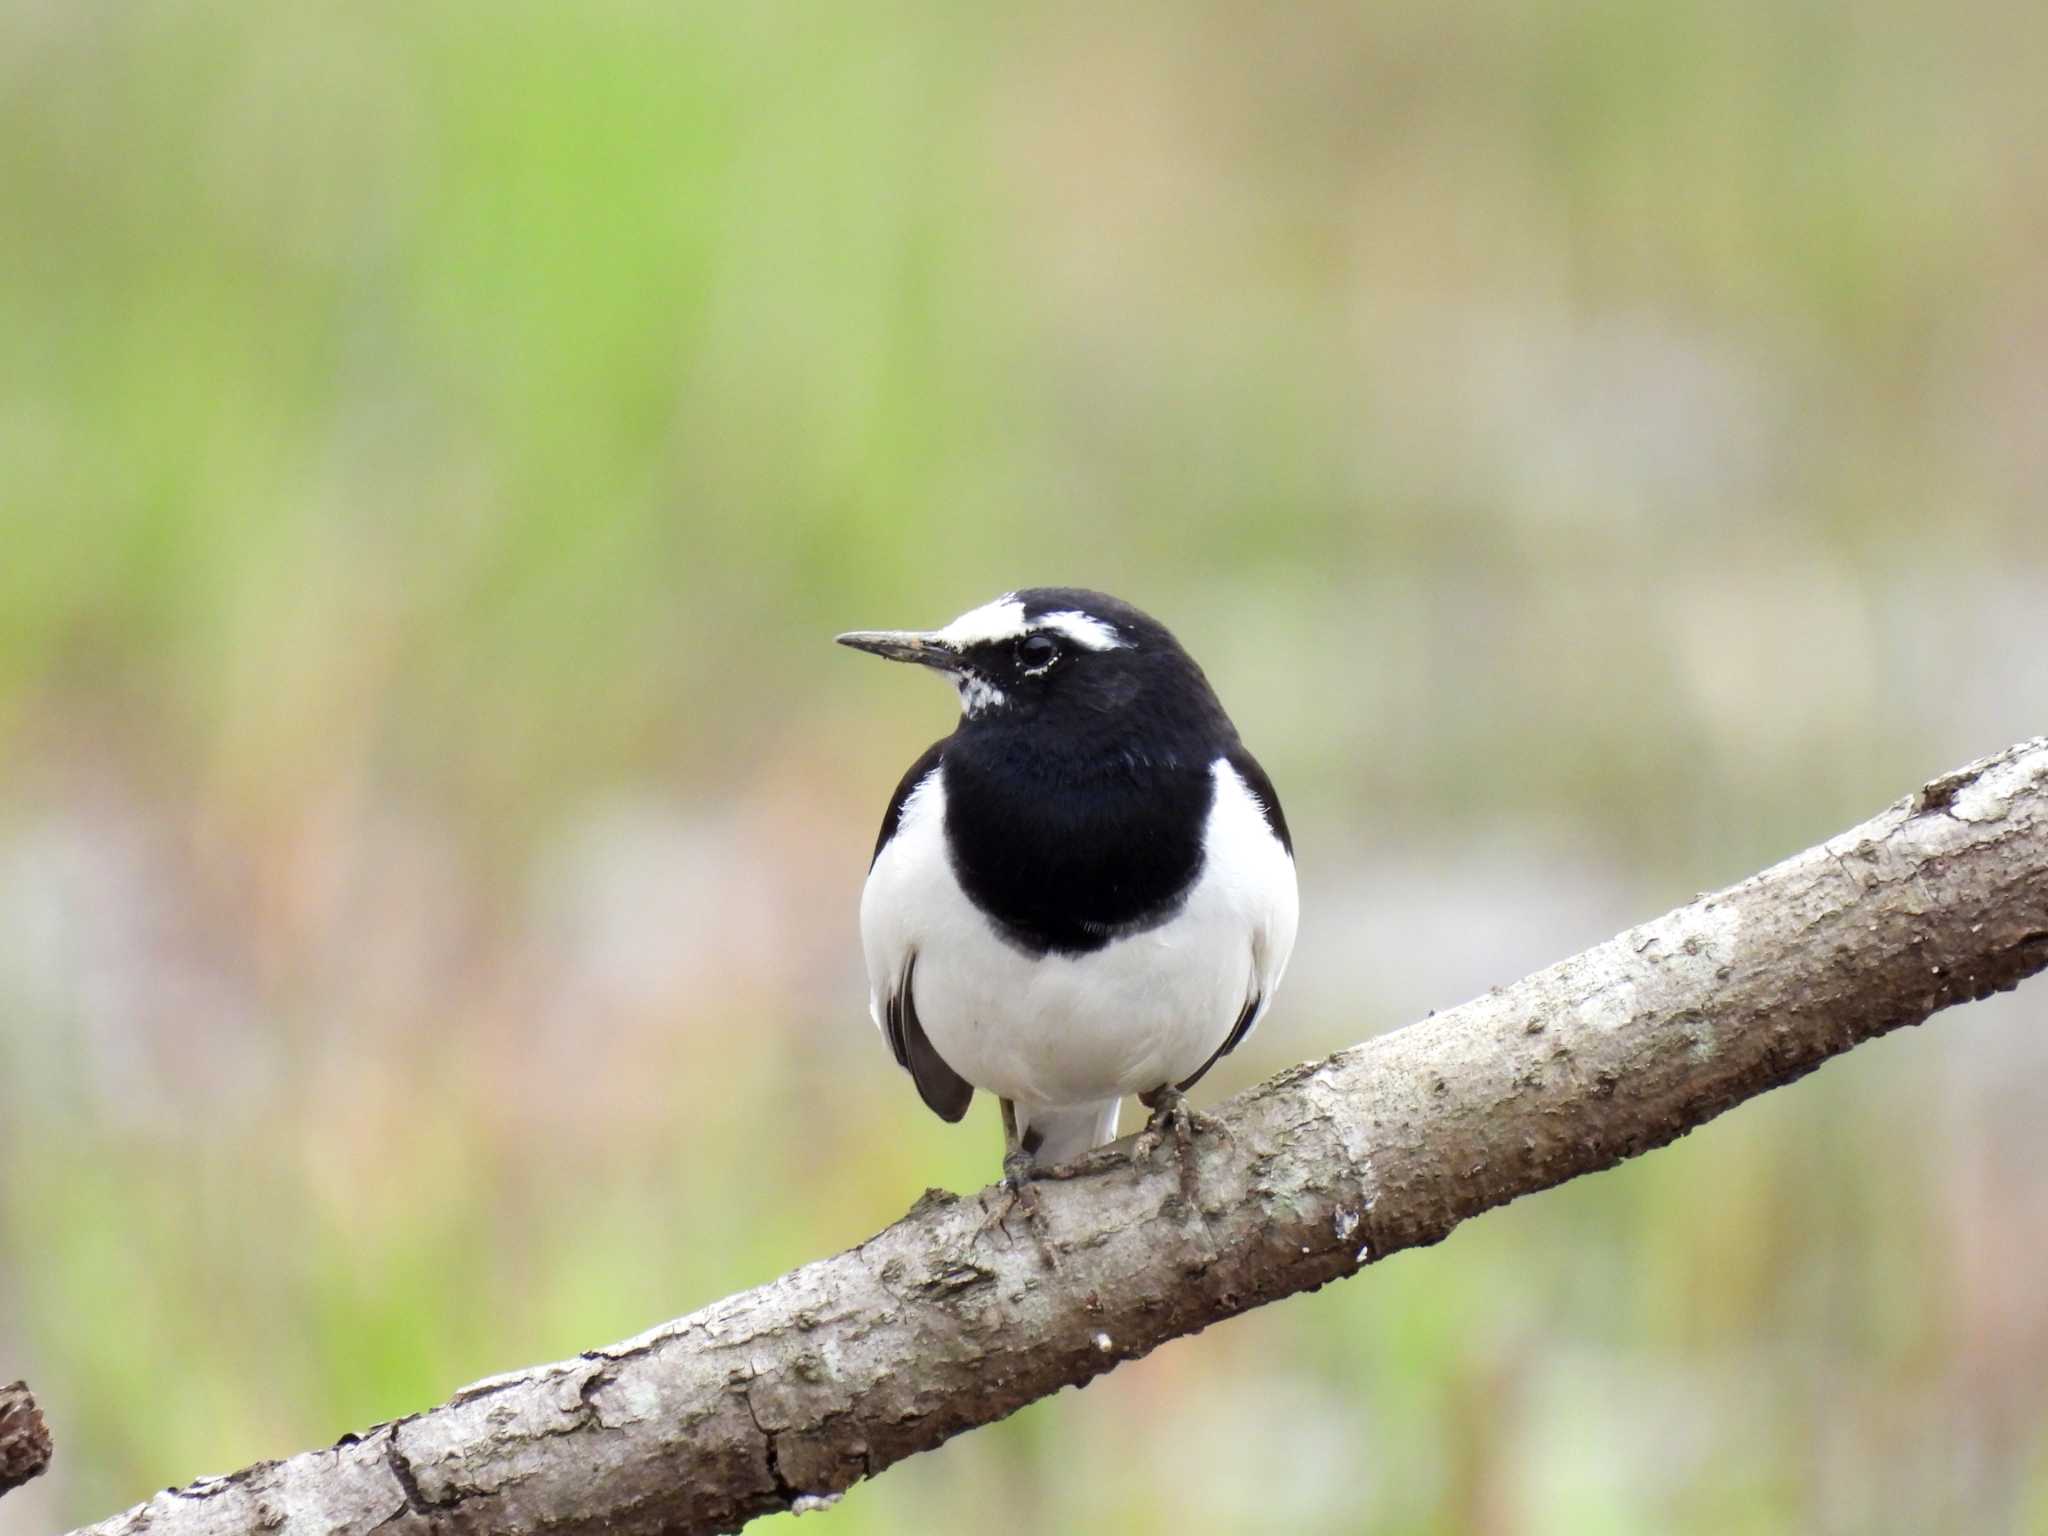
[(1050, 1030)]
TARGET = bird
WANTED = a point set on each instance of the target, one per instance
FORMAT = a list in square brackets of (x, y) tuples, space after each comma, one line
[(1085, 891)]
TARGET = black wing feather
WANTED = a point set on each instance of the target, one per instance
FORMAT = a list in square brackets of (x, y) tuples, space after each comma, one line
[(945, 1092), (1237, 1033)]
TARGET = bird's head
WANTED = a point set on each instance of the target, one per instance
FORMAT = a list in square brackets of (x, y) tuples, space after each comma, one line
[(1058, 653)]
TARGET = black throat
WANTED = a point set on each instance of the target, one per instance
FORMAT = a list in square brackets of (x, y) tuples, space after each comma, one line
[(1070, 839)]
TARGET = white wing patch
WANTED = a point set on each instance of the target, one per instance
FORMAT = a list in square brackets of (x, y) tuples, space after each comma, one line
[(890, 925), (1257, 876)]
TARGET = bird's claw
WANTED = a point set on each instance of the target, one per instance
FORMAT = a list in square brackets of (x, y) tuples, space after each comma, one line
[(1021, 1177), (1170, 1115)]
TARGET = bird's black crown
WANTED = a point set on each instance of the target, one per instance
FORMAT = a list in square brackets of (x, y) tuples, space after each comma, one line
[(1089, 666)]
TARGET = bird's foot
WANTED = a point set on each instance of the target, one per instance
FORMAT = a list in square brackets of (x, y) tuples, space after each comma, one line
[(1019, 1191), (1170, 1117)]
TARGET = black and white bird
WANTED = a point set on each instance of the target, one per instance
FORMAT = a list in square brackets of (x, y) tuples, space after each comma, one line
[(1086, 890)]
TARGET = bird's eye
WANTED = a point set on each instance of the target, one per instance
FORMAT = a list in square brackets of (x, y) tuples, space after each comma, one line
[(1036, 652)]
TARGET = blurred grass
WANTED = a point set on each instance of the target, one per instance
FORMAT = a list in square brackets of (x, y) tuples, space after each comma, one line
[(1596, 442)]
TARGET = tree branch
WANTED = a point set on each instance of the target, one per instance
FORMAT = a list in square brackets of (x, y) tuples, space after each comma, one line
[(962, 1312), (24, 1441)]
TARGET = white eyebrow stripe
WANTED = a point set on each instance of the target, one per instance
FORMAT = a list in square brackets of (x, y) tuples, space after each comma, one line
[(1002, 619), (1084, 629)]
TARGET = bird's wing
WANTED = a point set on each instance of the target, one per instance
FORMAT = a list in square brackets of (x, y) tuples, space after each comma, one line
[(888, 932), (945, 1092), (926, 765), (1269, 896), (1253, 777)]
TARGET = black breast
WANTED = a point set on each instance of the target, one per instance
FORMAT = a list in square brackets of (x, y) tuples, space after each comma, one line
[(1064, 858)]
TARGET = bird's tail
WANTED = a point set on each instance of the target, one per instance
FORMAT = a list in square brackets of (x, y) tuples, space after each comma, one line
[(1069, 1132)]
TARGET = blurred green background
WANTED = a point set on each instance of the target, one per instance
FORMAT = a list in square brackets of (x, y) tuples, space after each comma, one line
[(1597, 449)]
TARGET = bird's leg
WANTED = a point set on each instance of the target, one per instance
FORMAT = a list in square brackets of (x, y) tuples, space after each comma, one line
[(1019, 1175), (1017, 1166), (1170, 1112), (1020, 1153)]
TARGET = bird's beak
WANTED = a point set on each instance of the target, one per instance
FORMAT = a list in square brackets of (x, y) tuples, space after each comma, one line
[(904, 645)]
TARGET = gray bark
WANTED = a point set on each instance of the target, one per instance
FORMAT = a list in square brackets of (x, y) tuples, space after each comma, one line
[(24, 1441), (965, 1309)]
